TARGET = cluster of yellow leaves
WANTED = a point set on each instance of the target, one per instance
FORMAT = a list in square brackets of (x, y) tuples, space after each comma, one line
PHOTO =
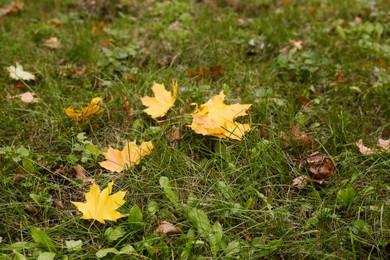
[(86, 112), (130, 155), (215, 118), (162, 101), (101, 205)]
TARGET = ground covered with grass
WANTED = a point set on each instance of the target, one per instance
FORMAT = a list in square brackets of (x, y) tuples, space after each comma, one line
[(316, 74)]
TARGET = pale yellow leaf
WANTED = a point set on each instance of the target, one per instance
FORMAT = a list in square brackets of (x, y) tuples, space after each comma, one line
[(297, 44), (131, 154), (101, 206), (17, 73), (162, 101), (53, 43)]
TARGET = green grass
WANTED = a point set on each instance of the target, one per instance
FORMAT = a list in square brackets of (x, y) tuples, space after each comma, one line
[(245, 186)]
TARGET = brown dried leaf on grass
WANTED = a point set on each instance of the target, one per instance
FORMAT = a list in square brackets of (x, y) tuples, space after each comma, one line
[(212, 72), (296, 136), (80, 174), (12, 8), (382, 146), (320, 168), (167, 228), (174, 134), (301, 181)]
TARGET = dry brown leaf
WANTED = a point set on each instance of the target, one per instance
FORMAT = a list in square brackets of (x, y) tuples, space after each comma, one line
[(59, 204), (340, 77), (80, 174), (129, 111), (296, 136), (315, 157), (300, 181), (383, 146), (167, 228), (174, 134), (363, 149), (53, 43), (321, 167), (212, 72), (12, 8)]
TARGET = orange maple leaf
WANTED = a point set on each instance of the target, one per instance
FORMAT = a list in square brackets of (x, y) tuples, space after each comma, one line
[(162, 101), (130, 155), (215, 118), (101, 206)]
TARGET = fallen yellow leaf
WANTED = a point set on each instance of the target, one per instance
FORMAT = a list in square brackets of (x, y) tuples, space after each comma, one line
[(101, 206), (53, 43), (162, 101), (297, 44), (215, 118), (86, 112), (130, 155), (17, 72)]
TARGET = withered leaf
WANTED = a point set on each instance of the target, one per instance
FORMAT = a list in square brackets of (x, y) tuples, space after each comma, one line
[(315, 157), (321, 167), (174, 134), (80, 174), (212, 72), (167, 228)]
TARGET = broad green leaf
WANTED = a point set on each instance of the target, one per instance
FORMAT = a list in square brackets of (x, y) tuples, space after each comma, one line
[(46, 256), (42, 239), (103, 252), (113, 234), (18, 256), (164, 183), (232, 249), (152, 207), (127, 249), (74, 245), (135, 218), (226, 191), (215, 238), (29, 165), (200, 220), (345, 197)]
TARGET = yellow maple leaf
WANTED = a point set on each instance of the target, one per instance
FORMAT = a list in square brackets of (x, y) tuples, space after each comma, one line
[(86, 112), (130, 155), (162, 101), (215, 118), (101, 206)]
